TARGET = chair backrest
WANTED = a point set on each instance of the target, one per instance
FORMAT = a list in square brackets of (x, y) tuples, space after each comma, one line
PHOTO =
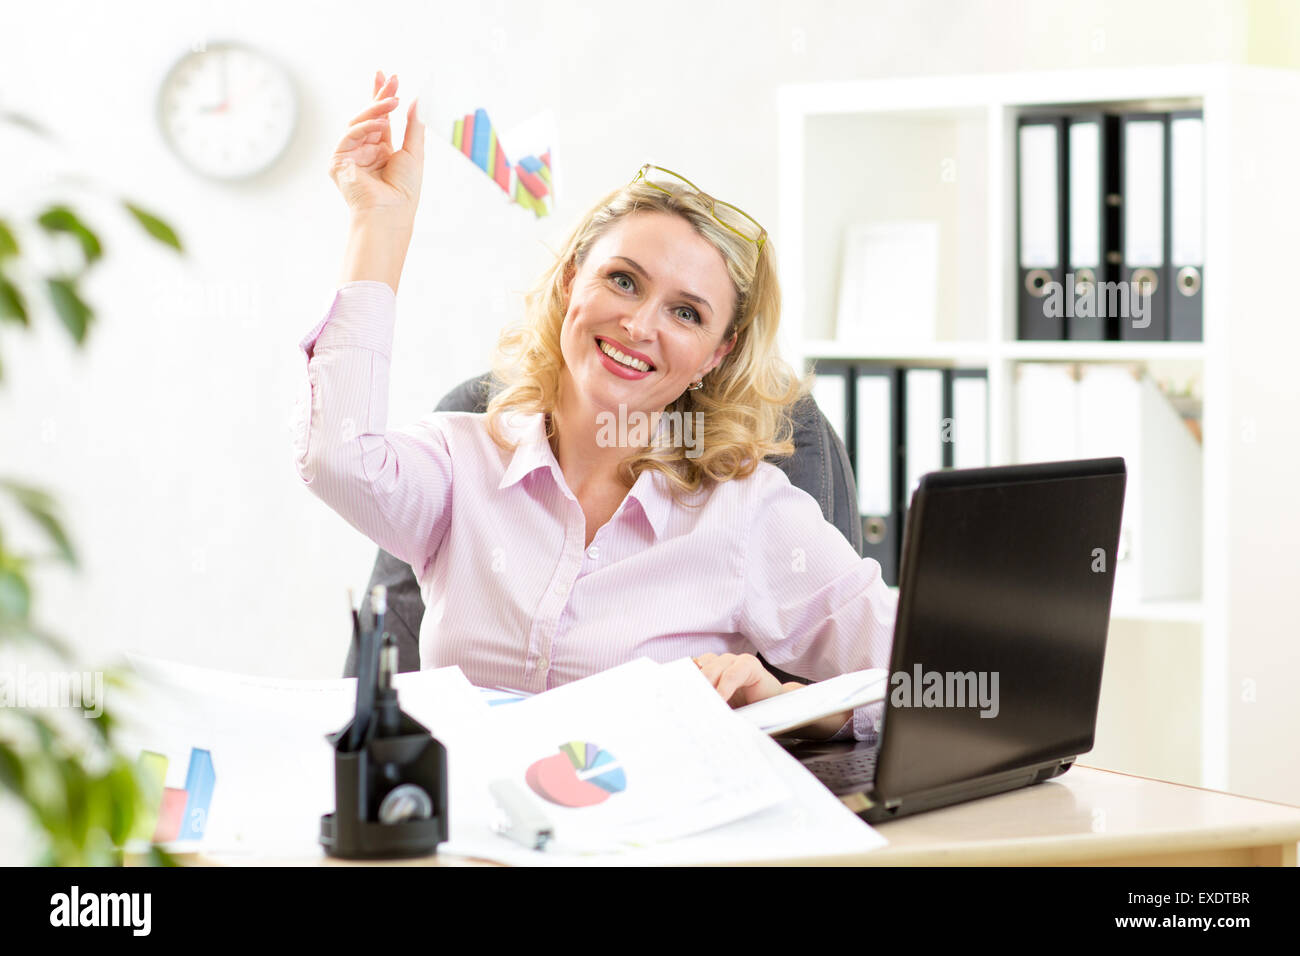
[(819, 465)]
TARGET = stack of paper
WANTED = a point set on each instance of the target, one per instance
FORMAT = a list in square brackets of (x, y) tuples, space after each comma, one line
[(643, 763), (273, 767), (796, 708)]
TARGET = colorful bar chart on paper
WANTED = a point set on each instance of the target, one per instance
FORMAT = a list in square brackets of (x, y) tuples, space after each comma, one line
[(475, 136), (527, 182), (200, 781), (151, 770), (533, 178), (174, 813)]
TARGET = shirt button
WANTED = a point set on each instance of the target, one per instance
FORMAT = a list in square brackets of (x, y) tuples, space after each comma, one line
[(542, 664), (593, 552)]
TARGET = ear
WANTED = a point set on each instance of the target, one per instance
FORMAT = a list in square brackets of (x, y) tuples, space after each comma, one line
[(570, 272), (722, 351)]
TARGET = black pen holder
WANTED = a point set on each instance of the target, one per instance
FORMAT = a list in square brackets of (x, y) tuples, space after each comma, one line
[(382, 780)]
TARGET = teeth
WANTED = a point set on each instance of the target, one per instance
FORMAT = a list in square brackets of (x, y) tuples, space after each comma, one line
[(622, 359)]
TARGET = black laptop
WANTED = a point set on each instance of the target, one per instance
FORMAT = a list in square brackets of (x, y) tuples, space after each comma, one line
[(1004, 603)]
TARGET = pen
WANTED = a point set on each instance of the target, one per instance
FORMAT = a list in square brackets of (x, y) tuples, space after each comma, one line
[(368, 666), (356, 625), (379, 604)]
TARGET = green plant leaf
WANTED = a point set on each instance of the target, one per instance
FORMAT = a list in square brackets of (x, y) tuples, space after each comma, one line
[(11, 769), (8, 244), (40, 508), (154, 226), (12, 306), (74, 312), (160, 857), (18, 119), (126, 799), (15, 596), (77, 798), (62, 219), (25, 631)]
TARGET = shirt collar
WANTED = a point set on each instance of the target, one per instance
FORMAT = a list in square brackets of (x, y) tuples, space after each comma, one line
[(534, 452)]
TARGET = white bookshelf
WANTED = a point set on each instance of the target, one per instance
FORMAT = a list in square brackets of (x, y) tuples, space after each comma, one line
[(1199, 690)]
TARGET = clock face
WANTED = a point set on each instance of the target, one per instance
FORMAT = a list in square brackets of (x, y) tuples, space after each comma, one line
[(227, 111)]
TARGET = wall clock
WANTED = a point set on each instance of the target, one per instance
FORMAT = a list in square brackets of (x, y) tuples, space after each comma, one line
[(228, 111)]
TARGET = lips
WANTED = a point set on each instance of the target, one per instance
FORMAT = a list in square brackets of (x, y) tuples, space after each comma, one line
[(627, 351)]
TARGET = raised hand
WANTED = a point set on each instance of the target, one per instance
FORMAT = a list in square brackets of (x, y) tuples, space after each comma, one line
[(373, 177)]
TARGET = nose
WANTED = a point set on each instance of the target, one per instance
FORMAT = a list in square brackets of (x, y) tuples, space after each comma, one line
[(639, 321)]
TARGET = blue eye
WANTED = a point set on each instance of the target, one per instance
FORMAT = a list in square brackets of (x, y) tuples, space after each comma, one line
[(694, 316)]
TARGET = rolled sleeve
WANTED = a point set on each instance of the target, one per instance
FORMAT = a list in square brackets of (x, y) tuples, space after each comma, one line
[(394, 486), (810, 604)]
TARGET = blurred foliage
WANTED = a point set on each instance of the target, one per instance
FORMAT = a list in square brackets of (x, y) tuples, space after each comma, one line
[(82, 793)]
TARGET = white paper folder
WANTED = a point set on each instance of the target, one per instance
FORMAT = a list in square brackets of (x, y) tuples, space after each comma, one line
[(1085, 195), (874, 411), (925, 427), (1111, 411), (1041, 212), (970, 413), (830, 392), (875, 464), (1144, 239), (1039, 197)]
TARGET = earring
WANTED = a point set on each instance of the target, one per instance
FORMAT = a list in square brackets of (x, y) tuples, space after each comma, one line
[(697, 385)]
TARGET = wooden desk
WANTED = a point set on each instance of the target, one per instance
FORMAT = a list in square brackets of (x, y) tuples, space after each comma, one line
[(1091, 817), (1086, 817)]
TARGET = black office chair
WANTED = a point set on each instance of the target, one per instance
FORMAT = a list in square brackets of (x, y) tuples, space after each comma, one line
[(819, 465)]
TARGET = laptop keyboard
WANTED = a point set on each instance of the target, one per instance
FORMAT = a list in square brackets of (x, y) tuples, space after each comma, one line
[(852, 771)]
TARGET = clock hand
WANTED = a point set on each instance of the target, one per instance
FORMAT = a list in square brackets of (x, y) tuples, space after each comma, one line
[(224, 84), (238, 95)]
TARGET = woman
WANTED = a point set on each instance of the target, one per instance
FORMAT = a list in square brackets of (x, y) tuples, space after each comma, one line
[(613, 502)]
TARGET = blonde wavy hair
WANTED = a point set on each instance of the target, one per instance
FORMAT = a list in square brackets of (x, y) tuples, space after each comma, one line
[(746, 400)]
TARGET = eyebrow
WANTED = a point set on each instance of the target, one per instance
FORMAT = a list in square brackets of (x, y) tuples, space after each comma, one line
[(682, 292)]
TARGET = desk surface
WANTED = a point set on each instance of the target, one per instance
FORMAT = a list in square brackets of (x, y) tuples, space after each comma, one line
[(1090, 816), (1084, 817)]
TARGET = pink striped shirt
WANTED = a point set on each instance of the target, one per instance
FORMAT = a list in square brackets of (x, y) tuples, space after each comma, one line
[(496, 540)]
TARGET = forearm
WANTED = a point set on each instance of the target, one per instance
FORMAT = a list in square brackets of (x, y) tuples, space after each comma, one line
[(376, 249), (392, 485)]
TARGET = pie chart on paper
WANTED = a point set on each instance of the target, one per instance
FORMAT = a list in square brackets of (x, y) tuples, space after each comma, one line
[(580, 775)]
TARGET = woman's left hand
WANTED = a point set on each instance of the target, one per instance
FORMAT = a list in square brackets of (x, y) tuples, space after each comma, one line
[(741, 678)]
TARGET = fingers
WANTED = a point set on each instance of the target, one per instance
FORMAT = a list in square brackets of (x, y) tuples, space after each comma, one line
[(379, 108), (385, 87), (738, 675), (367, 131), (728, 673), (413, 140), (384, 100), (740, 678)]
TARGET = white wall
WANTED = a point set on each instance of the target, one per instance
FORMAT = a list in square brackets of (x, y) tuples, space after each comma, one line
[(167, 441)]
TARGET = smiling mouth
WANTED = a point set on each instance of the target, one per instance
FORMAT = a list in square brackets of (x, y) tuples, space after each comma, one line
[(609, 348)]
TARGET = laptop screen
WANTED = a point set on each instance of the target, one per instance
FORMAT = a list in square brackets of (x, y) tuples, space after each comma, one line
[(1004, 605)]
